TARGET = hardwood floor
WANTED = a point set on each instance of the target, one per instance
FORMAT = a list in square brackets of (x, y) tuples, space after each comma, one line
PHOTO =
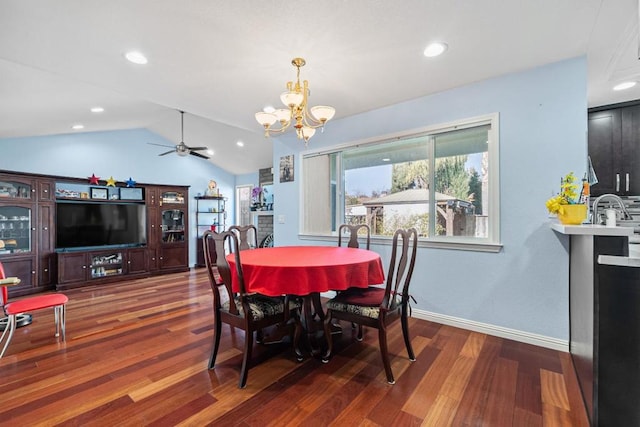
[(137, 353)]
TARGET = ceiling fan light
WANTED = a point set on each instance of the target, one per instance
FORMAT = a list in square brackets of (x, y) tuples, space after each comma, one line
[(323, 113), (291, 99), (266, 119)]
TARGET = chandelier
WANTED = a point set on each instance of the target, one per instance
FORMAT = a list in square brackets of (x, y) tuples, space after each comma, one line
[(305, 121)]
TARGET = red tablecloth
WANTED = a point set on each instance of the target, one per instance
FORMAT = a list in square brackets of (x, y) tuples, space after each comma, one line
[(301, 270)]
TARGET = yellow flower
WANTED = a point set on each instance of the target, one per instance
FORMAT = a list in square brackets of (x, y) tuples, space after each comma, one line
[(568, 195)]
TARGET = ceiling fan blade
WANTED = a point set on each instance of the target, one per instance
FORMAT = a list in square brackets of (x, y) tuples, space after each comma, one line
[(198, 148), (159, 145), (168, 152), (193, 153)]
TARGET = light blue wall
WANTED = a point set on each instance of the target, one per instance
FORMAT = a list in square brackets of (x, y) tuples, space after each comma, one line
[(543, 124), (121, 154)]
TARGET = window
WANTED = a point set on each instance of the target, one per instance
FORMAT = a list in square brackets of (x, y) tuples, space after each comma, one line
[(442, 180)]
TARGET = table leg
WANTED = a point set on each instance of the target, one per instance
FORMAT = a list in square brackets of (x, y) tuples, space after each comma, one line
[(313, 322)]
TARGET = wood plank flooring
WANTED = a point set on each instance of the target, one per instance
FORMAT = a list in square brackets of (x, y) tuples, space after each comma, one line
[(137, 352)]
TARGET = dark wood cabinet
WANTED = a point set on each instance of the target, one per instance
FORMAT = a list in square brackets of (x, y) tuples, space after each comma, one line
[(137, 261), (172, 241), (28, 215), (26, 231), (614, 149), (72, 268)]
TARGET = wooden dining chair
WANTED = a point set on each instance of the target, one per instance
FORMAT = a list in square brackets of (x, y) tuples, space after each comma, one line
[(14, 309), (247, 236), (250, 312), (378, 307), (353, 232)]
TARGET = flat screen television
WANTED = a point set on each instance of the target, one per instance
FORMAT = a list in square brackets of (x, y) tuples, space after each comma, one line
[(92, 224)]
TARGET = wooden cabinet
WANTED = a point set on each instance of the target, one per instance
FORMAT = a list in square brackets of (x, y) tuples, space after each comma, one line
[(171, 246), (72, 268), (137, 261), (614, 148), (30, 218), (26, 231), (100, 266)]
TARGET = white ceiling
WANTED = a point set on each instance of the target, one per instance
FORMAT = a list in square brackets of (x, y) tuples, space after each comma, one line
[(221, 61)]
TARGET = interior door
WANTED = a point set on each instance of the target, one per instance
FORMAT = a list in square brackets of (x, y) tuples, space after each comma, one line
[(243, 204)]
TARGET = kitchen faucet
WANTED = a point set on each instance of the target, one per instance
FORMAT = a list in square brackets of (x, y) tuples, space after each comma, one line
[(595, 218)]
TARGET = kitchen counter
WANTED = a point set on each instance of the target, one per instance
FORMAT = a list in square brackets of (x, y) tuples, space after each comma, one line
[(604, 320), (591, 230)]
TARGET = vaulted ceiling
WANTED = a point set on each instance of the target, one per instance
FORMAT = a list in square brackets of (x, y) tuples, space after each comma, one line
[(222, 61)]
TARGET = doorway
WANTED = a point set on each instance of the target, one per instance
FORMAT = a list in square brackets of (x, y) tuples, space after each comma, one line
[(243, 205)]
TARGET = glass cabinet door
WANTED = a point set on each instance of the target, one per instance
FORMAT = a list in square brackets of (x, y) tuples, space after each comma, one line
[(15, 190), (15, 229), (173, 225), (173, 197)]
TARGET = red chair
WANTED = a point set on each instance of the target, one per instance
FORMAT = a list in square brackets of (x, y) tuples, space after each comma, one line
[(13, 309)]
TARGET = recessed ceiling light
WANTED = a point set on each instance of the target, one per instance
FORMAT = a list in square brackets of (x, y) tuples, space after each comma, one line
[(136, 57), (210, 152), (77, 127), (240, 144), (268, 109), (435, 49), (97, 110), (625, 85), (386, 159)]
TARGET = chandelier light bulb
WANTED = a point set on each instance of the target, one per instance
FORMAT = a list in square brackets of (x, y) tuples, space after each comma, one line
[(283, 115), (266, 119), (323, 113)]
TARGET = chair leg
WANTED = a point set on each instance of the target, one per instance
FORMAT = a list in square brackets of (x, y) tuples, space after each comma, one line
[(63, 322), (248, 346), (360, 333), (9, 329), (405, 331), (327, 334), (217, 330), (384, 352)]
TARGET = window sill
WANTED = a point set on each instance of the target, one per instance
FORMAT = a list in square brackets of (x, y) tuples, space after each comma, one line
[(422, 243)]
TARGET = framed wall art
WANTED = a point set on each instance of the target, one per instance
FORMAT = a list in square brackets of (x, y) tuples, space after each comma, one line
[(286, 168), (99, 193), (128, 193)]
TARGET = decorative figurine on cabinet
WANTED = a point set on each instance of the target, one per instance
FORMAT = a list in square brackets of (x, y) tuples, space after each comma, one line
[(212, 189)]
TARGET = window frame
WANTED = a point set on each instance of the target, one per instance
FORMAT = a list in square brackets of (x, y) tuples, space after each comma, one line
[(492, 243)]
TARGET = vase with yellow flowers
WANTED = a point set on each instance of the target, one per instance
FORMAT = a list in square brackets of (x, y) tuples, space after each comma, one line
[(566, 205)]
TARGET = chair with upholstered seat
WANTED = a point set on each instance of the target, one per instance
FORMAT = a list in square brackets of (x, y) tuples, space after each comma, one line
[(247, 236), (379, 307), (249, 312), (352, 232), (13, 309)]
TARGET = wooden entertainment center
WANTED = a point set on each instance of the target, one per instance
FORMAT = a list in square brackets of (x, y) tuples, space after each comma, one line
[(29, 222)]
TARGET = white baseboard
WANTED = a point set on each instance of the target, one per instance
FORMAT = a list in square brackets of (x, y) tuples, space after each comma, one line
[(498, 331)]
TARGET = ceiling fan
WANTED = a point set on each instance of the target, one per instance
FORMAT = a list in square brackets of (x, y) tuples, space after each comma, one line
[(182, 149)]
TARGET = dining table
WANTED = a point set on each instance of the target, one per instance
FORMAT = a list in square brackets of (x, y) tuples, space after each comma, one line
[(307, 271)]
